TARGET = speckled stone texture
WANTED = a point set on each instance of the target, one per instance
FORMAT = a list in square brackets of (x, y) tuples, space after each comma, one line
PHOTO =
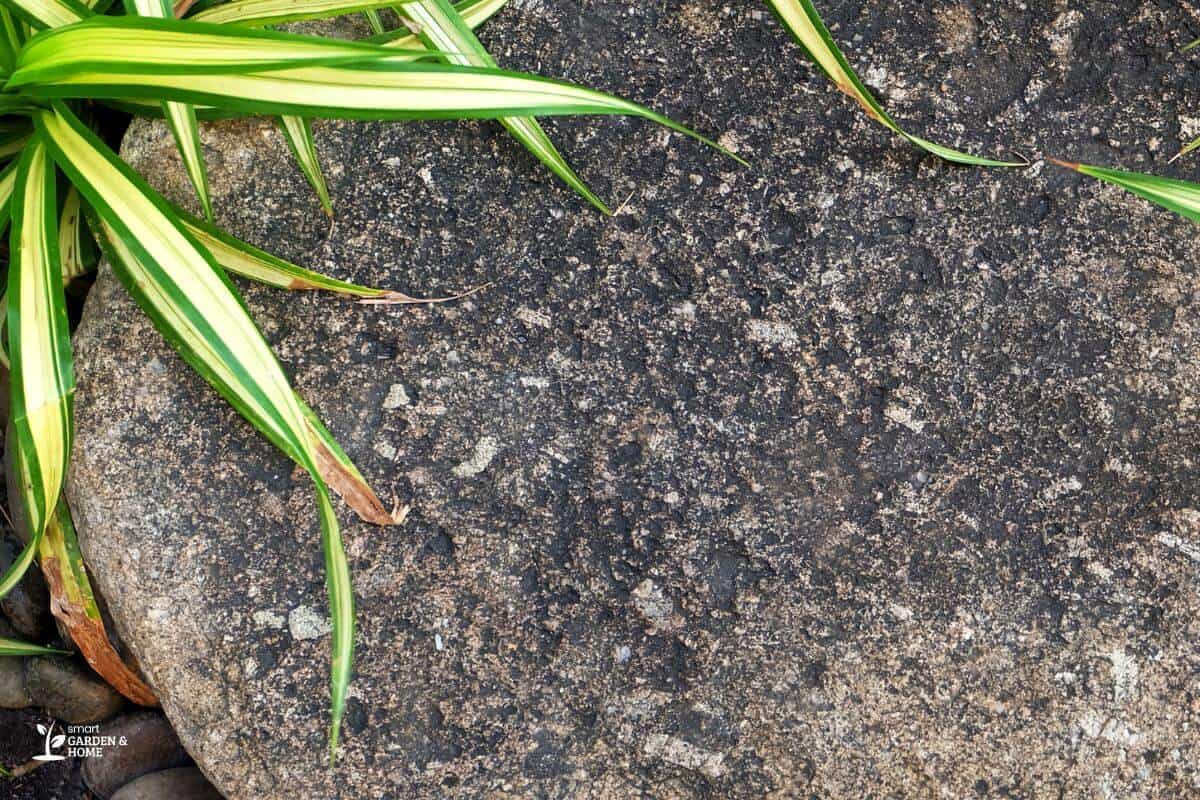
[(852, 474)]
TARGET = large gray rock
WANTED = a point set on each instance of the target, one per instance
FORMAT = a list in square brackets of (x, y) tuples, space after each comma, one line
[(849, 474)]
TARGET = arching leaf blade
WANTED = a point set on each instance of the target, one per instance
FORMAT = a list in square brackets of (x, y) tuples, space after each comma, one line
[(1182, 197), (74, 243), (184, 292), (14, 647), (473, 12), (181, 119), (801, 19), (258, 265), (441, 28), (277, 12), (165, 46), (298, 133), (42, 14), (42, 382)]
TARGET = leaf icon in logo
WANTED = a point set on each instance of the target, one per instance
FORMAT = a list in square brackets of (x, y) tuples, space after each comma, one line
[(41, 729), (57, 741)]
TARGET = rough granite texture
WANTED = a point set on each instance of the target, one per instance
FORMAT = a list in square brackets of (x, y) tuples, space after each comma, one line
[(852, 474)]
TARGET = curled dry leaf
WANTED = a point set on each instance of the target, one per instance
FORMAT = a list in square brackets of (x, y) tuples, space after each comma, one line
[(73, 603)]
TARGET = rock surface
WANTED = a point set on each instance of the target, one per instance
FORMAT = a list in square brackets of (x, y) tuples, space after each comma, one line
[(850, 474)]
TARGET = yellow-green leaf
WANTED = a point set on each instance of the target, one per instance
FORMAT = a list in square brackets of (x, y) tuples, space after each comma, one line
[(298, 133), (441, 28), (191, 301), (801, 19), (42, 380)]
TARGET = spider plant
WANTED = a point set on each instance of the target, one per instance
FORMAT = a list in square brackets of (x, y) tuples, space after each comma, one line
[(57, 59)]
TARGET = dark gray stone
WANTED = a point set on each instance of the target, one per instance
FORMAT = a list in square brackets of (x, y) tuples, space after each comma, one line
[(69, 691), (27, 606), (149, 745), (851, 474), (182, 783), (13, 693)]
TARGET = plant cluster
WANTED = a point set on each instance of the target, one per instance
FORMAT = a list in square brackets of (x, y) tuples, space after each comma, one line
[(67, 196)]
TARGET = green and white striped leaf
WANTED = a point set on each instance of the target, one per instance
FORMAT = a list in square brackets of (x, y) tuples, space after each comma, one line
[(49, 13), (373, 19), (12, 36), (74, 243), (1182, 197), (441, 28), (42, 382), (165, 46), (258, 265), (181, 117), (405, 43), (473, 12), (1190, 147), (299, 137), (801, 19), (180, 66), (8, 181), (191, 301), (13, 647), (277, 12), (344, 478)]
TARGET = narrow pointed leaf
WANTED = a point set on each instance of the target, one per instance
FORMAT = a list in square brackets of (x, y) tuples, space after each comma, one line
[(1191, 146), (18, 568), (164, 46), (473, 12), (74, 243), (66, 63), (405, 44), (1182, 197), (276, 12), (181, 117), (42, 382), (250, 262), (372, 17), (801, 19), (8, 182), (12, 647), (299, 137), (343, 477), (49, 13), (184, 292), (74, 604), (442, 29)]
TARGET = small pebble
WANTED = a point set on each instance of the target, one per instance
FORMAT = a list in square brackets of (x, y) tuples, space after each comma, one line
[(69, 691), (182, 783), (12, 684), (150, 746), (27, 606)]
